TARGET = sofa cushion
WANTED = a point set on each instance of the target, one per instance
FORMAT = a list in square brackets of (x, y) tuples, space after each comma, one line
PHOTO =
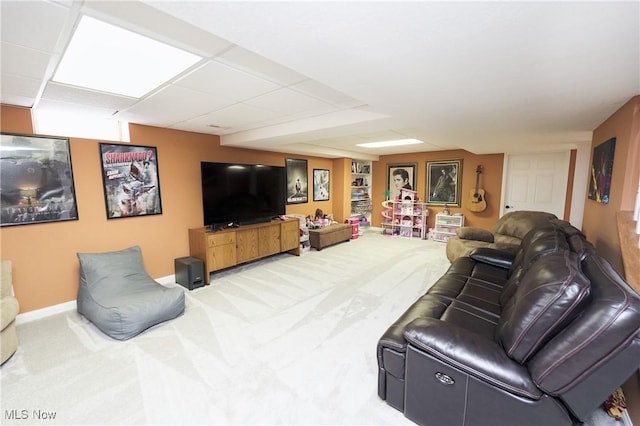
[(473, 233), (544, 301), (518, 224)]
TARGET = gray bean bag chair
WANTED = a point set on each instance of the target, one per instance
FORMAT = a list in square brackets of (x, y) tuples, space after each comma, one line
[(120, 298)]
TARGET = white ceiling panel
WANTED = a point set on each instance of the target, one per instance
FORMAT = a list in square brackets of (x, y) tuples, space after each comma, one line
[(34, 24), (76, 95), (287, 101), (236, 116), (222, 80), (238, 57), (172, 105), (18, 60), (17, 90)]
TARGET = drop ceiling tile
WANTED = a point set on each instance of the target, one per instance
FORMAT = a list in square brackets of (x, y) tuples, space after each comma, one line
[(16, 86), (325, 93), (172, 105), (77, 95), (287, 101), (23, 61), (32, 24), (222, 80), (255, 64), (238, 115), (80, 109)]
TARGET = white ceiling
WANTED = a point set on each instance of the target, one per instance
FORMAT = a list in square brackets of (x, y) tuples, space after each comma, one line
[(318, 77)]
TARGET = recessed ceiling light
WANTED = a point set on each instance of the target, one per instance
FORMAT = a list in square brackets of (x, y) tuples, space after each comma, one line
[(383, 144), (111, 59)]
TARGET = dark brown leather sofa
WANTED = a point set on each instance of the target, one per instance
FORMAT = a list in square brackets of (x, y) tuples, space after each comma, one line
[(541, 337)]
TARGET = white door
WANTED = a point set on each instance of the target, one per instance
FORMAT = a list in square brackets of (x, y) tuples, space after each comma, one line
[(535, 182)]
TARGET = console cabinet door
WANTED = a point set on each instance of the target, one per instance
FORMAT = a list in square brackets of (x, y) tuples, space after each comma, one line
[(247, 243), (269, 239), (290, 235), (221, 251)]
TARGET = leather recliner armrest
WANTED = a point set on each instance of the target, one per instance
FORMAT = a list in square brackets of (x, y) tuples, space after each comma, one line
[(501, 258), (477, 356)]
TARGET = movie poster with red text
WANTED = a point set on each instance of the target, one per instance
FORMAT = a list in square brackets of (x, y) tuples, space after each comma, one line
[(131, 182)]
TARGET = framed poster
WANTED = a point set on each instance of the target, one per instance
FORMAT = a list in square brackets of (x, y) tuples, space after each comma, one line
[(444, 181), (320, 185), (297, 181), (130, 180), (601, 170), (36, 180), (400, 176)]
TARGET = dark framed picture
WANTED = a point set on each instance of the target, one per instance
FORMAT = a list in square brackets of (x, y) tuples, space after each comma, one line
[(601, 170), (320, 184), (130, 179), (400, 176), (36, 180), (297, 181), (444, 181)]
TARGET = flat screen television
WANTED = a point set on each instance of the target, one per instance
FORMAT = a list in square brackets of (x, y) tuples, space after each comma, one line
[(241, 194)]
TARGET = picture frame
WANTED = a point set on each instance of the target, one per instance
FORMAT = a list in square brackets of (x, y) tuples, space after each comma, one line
[(321, 184), (444, 182), (131, 180), (297, 181), (400, 176), (601, 171), (36, 180)]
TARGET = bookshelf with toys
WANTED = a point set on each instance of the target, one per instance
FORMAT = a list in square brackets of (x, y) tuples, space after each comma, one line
[(361, 193), (405, 217)]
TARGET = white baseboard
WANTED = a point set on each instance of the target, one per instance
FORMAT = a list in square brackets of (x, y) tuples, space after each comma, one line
[(45, 312), (68, 306)]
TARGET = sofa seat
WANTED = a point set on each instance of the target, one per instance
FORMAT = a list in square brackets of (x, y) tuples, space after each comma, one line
[(539, 336)]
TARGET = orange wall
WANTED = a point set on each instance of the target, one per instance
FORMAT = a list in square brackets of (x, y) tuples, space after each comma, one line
[(490, 181), (599, 218), (45, 266)]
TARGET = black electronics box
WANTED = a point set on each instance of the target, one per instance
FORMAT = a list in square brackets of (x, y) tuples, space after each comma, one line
[(189, 272)]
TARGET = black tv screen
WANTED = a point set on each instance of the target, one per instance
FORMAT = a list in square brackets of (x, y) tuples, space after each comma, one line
[(242, 194)]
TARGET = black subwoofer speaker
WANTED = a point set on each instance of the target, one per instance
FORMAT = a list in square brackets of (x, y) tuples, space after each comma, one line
[(189, 272)]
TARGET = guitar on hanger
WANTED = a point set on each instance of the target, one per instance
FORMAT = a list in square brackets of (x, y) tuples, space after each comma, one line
[(477, 202)]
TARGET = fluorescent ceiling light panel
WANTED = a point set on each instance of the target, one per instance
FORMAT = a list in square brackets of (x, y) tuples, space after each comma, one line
[(383, 144), (110, 59)]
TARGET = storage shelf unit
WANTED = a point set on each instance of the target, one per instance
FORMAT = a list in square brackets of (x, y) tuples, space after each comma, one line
[(446, 226), (405, 218), (361, 192)]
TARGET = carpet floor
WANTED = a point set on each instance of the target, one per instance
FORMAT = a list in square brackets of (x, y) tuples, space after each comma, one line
[(285, 340)]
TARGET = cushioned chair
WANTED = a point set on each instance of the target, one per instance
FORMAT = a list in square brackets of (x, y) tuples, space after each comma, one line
[(9, 307), (120, 298), (506, 234)]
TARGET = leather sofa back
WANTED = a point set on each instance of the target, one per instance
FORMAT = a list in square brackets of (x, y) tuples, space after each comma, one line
[(537, 243), (600, 349), (548, 295), (516, 225)]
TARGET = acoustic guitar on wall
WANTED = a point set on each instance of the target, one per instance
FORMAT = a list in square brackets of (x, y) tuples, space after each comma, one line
[(477, 202)]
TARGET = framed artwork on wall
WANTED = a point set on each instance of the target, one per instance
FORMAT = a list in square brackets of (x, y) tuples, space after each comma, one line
[(601, 170), (320, 184), (36, 180), (297, 181), (400, 176), (444, 182), (130, 179)]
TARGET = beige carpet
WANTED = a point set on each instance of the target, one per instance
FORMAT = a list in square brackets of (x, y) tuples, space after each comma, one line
[(287, 340)]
